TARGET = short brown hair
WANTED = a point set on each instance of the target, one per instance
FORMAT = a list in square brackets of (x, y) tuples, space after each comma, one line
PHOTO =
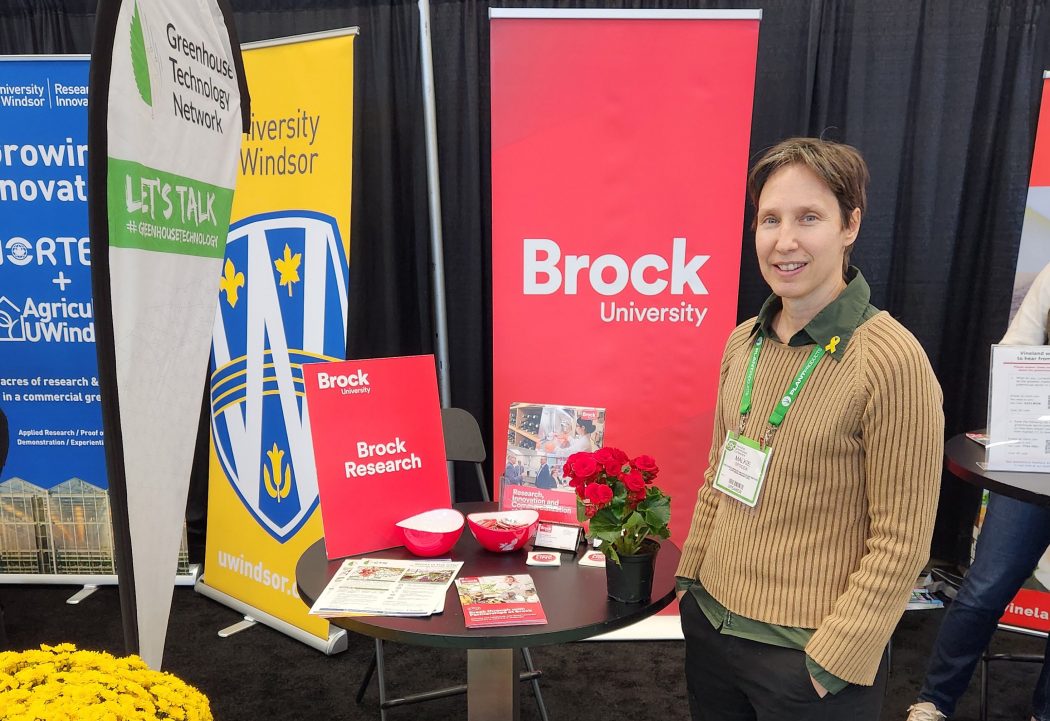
[(840, 166)]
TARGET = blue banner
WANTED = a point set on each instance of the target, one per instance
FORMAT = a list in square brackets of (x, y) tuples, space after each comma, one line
[(48, 369)]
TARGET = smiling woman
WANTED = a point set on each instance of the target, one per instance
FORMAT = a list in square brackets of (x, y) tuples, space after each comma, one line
[(813, 520)]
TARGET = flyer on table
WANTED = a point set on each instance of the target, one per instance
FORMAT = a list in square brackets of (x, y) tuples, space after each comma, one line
[(387, 587), (509, 600), (379, 448)]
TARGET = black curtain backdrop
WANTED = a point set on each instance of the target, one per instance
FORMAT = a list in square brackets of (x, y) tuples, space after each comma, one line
[(942, 99)]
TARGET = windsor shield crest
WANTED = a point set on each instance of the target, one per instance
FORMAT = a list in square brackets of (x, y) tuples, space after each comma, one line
[(282, 303)]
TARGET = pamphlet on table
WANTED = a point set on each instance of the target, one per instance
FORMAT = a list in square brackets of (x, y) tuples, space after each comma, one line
[(539, 439), (386, 587), (509, 600), (378, 446)]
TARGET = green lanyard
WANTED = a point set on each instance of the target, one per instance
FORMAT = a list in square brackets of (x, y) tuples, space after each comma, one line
[(781, 408)]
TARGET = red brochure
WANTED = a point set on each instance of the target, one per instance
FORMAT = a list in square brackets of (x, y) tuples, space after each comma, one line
[(378, 446), (500, 601)]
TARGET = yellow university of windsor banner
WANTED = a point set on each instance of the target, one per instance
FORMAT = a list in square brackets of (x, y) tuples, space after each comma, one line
[(282, 303)]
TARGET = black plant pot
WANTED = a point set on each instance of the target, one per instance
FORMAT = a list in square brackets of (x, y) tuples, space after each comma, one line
[(632, 580)]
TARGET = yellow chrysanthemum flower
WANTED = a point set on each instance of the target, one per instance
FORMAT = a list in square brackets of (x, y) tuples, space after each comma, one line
[(60, 683)]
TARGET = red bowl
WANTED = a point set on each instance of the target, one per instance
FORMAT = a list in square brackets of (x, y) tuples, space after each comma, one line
[(432, 533), (503, 530)]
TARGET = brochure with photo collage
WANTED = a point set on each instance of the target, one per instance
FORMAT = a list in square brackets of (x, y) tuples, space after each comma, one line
[(540, 437)]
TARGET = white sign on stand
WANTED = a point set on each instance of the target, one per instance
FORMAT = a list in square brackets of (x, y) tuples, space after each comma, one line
[(1019, 409)]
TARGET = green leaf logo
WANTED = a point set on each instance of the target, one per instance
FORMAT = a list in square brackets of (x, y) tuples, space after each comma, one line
[(138, 59)]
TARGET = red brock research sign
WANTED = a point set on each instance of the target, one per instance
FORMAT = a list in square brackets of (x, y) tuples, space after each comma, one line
[(378, 446), (619, 159)]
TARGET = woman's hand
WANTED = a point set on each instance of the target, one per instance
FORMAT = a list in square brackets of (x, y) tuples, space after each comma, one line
[(821, 691)]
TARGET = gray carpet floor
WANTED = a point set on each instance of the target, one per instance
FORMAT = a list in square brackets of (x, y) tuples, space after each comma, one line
[(262, 674)]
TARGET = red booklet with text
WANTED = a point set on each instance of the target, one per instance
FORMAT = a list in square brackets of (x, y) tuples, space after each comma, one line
[(378, 446), (500, 601)]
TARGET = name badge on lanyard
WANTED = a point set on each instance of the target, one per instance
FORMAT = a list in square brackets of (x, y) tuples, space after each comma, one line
[(743, 463), (742, 468)]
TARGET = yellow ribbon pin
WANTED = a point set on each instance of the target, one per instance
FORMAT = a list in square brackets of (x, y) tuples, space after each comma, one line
[(832, 344)]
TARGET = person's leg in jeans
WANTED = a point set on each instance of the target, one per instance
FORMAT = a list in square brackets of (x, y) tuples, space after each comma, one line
[(1013, 537)]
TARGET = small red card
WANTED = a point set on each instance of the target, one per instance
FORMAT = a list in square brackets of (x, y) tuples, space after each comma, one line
[(378, 446)]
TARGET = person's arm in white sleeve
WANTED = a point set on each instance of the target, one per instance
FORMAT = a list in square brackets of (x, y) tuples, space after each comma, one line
[(1029, 325)]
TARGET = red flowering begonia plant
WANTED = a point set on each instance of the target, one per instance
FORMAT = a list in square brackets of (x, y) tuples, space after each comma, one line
[(616, 495)]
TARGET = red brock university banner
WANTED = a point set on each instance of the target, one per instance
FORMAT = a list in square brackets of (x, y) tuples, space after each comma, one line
[(619, 159)]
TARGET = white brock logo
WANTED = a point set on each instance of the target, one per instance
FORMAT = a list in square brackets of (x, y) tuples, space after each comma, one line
[(258, 348)]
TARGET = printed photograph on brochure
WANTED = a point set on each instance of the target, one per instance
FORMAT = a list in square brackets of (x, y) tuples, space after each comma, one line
[(540, 437)]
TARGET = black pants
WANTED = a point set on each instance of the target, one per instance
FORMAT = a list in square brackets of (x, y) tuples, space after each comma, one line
[(735, 679)]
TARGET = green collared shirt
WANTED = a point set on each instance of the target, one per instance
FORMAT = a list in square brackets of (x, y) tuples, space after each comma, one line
[(832, 327)]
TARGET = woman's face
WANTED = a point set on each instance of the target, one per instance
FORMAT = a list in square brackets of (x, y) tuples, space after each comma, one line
[(799, 236)]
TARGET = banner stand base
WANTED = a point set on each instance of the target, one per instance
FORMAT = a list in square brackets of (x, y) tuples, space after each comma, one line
[(83, 579), (335, 643), (191, 578), (80, 595), (242, 625)]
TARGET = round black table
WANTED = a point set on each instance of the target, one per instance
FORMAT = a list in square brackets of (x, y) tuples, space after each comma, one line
[(573, 597), (962, 456)]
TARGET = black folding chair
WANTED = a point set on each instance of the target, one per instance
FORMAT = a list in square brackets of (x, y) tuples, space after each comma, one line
[(987, 658), (463, 442)]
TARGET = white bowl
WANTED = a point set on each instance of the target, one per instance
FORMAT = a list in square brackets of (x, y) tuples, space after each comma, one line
[(432, 533)]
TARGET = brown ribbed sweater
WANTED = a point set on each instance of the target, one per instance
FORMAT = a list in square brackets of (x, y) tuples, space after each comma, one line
[(843, 524)]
